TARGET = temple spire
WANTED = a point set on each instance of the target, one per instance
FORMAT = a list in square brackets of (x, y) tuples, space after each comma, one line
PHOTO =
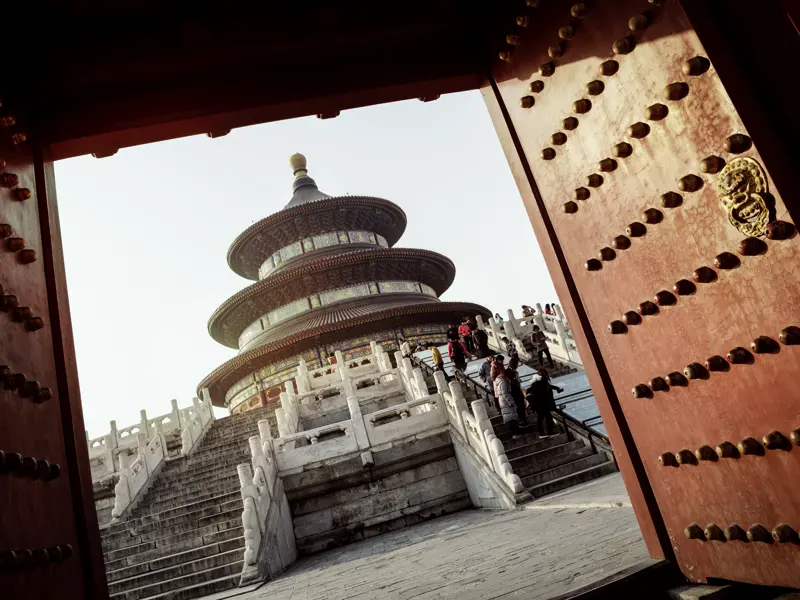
[(304, 188), (298, 162)]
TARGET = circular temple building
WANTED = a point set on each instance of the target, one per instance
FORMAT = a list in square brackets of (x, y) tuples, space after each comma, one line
[(327, 277)]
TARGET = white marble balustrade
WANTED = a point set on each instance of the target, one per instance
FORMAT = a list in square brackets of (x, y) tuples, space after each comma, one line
[(556, 329)]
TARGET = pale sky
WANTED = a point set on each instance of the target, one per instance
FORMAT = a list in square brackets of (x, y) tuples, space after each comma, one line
[(146, 233)]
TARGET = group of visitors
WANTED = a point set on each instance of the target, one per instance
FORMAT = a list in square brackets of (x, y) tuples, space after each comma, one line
[(467, 342), (513, 401), (528, 311)]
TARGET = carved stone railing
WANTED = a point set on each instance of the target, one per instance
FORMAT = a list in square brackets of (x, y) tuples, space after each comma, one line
[(104, 451), (422, 412), (559, 337), (197, 424), (476, 430), (136, 474), (404, 420), (413, 381), (268, 533)]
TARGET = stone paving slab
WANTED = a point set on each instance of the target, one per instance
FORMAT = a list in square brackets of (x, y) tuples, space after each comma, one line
[(558, 544)]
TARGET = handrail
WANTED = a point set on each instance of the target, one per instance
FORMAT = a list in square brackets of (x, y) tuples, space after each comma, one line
[(558, 411)]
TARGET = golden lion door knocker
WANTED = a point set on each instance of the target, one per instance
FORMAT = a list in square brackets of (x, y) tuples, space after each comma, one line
[(742, 192)]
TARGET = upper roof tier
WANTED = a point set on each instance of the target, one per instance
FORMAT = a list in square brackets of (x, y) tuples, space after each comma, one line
[(311, 212)]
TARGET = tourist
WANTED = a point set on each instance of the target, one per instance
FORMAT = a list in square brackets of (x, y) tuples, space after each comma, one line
[(485, 373), (332, 358), (466, 335), (452, 331), (498, 319), (511, 349), (540, 343), (481, 341), (516, 391), (502, 391), (540, 397), (527, 311), (458, 353), (436, 356), (548, 310)]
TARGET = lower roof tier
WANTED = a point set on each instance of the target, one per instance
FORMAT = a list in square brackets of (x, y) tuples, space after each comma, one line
[(326, 327), (246, 307)]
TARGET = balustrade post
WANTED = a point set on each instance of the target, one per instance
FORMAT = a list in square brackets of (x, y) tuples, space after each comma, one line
[(143, 425), (538, 319), (280, 416), (108, 458), (340, 362), (420, 383), (264, 431), (257, 453), (141, 443), (562, 338), (509, 331), (513, 320), (495, 328), (460, 403), (441, 381), (175, 414), (302, 379), (559, 312), (359, 428), (205, 395), (114, 435)]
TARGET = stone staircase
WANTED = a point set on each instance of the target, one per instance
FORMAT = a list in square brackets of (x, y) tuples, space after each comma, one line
[(548, 465), (185, 539), (551, 464)]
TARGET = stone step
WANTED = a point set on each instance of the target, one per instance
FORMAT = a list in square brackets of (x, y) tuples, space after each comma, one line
[(208, 460), (562, 483), (206, 468), (185, 494), (201, 590), (169, 481), (174, 533), (526, 436), (550, 458), (563, 470), (187, 517), (167, 573), (126, 571), (132, 555), (218, 446), (175, 511), (536, 445), (160, 589)]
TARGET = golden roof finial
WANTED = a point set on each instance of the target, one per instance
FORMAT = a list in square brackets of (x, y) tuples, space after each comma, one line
[(298, 163)]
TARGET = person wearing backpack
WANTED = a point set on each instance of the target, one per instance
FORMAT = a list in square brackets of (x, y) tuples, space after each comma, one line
[(458, 353)]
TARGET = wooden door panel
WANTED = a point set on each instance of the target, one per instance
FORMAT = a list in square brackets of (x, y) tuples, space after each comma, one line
[(759, 297), (36, 512)]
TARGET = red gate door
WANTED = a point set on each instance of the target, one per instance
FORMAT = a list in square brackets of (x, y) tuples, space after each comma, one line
[(662, 225), (49, 543)]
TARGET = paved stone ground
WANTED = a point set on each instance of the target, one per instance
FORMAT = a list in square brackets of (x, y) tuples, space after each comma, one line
[(555, 545)]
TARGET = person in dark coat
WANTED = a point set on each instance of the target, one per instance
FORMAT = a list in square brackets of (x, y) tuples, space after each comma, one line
[(481, 341), (540, 398), (516, 391)]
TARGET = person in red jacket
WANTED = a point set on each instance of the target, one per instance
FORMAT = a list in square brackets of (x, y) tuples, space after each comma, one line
[(458, 353)]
